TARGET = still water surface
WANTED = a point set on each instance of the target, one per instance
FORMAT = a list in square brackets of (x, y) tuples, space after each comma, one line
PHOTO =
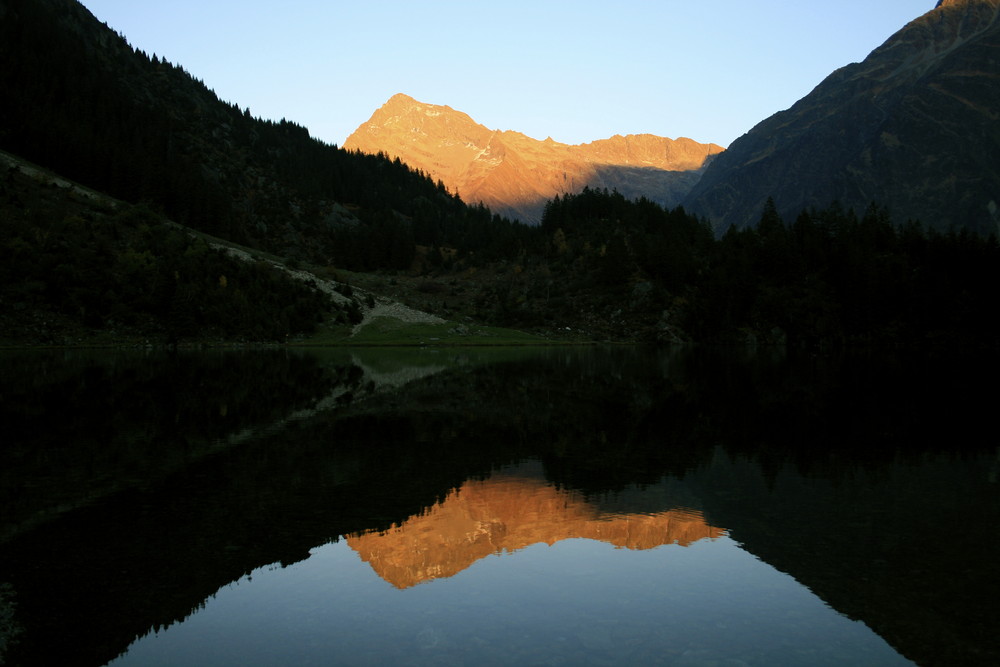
[(576, 602), (582, 506)]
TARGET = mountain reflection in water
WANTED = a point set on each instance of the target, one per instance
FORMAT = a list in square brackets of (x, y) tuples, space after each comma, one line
[(511, 510), (218, 502)]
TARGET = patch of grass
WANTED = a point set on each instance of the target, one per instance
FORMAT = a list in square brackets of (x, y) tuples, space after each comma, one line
[(326, 334)]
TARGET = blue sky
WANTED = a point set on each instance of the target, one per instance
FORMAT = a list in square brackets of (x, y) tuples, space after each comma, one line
[(575, 70)]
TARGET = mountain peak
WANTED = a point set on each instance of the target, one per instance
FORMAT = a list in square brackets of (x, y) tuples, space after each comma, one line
[(905, 111), (399, 101), (400, 98), (964, 3), (514, 174)]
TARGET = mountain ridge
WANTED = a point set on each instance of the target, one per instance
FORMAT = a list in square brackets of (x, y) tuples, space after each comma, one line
[(514, 174), (911, 127)]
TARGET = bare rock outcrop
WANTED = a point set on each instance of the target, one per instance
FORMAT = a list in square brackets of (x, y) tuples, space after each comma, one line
[(514, 174)]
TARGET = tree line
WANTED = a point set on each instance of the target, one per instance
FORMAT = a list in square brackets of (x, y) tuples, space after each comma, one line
[(830, 277)]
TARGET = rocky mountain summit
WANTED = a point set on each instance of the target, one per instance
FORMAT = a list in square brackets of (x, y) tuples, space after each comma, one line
[(914, 127), (514, 174)]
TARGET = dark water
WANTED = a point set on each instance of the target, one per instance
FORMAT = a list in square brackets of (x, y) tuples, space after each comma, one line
[(555, 506)]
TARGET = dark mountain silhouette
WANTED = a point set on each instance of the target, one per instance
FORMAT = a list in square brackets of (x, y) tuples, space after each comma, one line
[(111, 125), (79, 100), (913, 127)]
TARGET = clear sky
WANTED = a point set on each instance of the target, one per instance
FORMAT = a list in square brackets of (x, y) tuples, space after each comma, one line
[(575, 70)]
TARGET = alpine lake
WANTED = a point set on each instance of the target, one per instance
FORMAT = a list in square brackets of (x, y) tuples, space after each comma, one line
[(498, 506)]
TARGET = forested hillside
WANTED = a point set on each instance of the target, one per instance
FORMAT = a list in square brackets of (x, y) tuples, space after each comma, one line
[(608, 268), (73, 264), (83, 104), (81, 101)]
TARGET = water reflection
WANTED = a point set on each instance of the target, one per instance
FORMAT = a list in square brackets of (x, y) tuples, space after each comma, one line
[(150, 491), (81, 425), (513, 509), (708, 604)]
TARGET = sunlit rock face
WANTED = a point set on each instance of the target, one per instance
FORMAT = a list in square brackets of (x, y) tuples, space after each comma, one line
[(914, 128), (507, 512), (515, 175)]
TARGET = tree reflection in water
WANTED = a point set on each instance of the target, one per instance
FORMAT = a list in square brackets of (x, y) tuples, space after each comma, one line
[(138, 485)]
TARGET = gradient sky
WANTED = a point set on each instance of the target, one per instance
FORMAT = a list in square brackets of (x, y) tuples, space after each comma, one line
[(573, 70)]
